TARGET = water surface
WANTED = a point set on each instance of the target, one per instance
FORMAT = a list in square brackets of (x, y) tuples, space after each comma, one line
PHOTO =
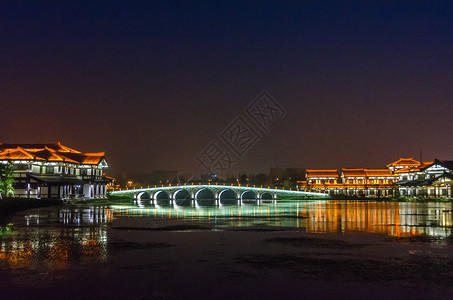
[(368, 248), (81, 233)]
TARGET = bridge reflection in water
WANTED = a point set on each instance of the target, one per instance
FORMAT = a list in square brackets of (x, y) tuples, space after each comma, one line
[(391, 218), (59, 236)]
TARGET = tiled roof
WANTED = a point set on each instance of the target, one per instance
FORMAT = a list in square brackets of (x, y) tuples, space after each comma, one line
[(86, 158), (404, 162), (409, 169), (48, 152), (444, 163), (406, 170), (17, 154), (38, 147), (92, 158), (425, 182), (379, 173), (353, 172)]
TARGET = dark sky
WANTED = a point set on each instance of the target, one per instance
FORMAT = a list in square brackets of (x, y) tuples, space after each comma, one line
[(153, 83)]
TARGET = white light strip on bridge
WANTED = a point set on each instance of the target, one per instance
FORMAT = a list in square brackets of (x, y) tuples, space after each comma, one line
[(221, 186)]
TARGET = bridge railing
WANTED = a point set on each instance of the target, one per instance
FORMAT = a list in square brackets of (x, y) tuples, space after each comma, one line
[(126, 188)]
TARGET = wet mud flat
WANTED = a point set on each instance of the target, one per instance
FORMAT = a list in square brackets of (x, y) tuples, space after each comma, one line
[(194, 262)]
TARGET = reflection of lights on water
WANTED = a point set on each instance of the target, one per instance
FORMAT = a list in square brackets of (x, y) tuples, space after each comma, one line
[(57, 247), (86, 216), (398, 219), (39, 242)]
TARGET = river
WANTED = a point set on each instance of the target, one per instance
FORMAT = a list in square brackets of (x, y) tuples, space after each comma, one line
[(62, 247)]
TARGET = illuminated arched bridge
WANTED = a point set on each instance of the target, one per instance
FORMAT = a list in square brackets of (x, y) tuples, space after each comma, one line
[(213, 194)]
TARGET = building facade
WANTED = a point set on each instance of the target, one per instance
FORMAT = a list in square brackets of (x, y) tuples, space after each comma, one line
[(369, 182), (351, 182), (433, 180), (404, 177), (54, 171)]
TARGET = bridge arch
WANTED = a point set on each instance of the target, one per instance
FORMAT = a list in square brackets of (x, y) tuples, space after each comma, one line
[(143, 199), (182, 197), (228, 196), (161, 197), (143, 196), (248, 196), (205, 197), (266, 196), (169, 193)]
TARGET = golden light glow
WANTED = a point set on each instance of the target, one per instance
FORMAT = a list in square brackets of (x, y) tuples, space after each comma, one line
[(49, 152)]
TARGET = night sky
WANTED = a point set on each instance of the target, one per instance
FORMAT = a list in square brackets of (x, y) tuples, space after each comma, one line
[(153, 83)]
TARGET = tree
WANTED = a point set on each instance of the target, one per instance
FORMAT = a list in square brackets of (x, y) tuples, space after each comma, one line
[(230, 179), (243, 179), (6, 179), (261, 179)]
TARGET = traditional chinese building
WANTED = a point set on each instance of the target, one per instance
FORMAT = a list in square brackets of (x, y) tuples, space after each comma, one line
[(433, 180), (404, 163), (351, 182), (404, 177), (319, 180), (354, 181), (380, 183), (369, 182), (55, 171), (321, 177), (406, 167)]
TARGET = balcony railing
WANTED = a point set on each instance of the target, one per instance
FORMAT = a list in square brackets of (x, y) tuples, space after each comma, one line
[(91, 177)]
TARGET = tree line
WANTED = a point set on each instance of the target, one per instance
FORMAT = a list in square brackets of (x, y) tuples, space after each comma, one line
[(6, 180)]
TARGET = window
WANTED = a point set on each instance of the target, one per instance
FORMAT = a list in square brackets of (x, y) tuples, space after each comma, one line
[(21, 167), (50, 170), (83, 172)]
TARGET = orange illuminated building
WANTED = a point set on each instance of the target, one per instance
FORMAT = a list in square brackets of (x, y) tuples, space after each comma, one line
[(404, 177), (351, 182), (369, 182), (55, 171), (406, 164)]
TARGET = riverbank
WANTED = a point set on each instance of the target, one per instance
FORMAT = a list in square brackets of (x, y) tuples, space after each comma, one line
[(12, 205), (392, 199)]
